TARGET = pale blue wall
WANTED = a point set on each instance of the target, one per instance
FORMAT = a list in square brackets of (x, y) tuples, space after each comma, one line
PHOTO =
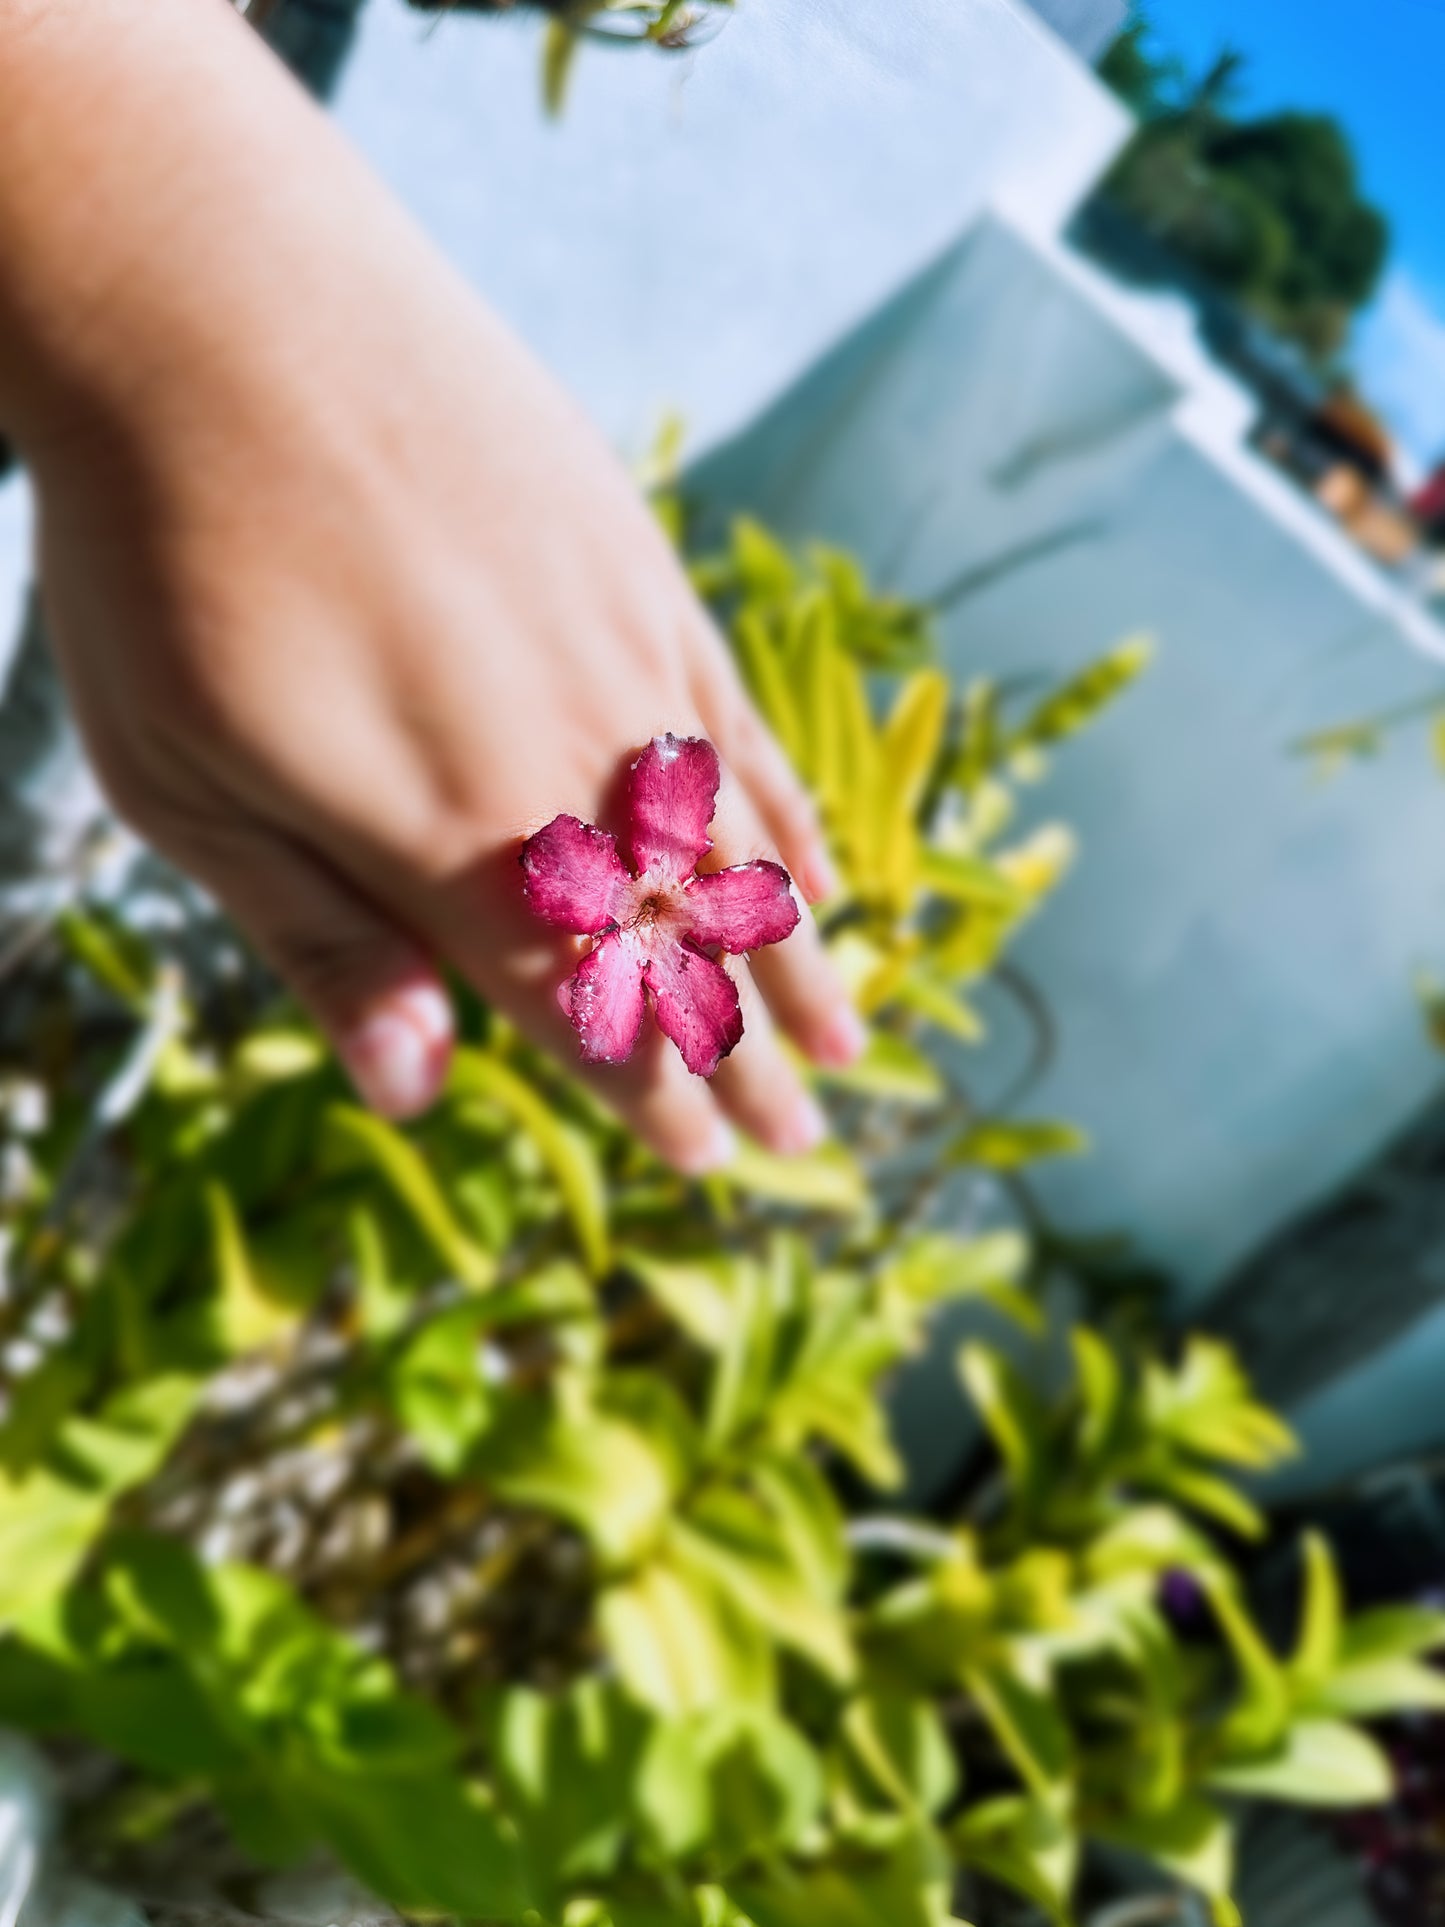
[(1231, 962)]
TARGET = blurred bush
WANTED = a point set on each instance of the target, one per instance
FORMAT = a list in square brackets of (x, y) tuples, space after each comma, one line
[(1267, 209), (522, 1522)]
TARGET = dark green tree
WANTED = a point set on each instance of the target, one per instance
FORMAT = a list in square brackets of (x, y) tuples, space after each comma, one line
[(1302, 166), (1269, 210), (1129, 66)]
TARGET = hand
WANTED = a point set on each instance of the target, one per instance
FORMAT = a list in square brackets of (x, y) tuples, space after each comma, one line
[(350, 599)]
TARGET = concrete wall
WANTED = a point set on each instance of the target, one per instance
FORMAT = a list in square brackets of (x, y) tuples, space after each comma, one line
[(1231, 963), (694, 232)]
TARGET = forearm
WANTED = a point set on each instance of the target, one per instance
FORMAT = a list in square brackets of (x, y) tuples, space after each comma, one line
[(143, 146)]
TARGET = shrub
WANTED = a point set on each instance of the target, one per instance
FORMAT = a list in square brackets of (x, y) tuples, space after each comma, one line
[(522, 1522)]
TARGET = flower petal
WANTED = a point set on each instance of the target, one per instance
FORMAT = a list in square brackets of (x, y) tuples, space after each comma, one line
[(573, 875), (742, 908), (696, 1003), (604, 999), (671, 793)]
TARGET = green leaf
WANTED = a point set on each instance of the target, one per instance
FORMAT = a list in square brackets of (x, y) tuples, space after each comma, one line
[(1191, 1840), (130, 1436), (827, 1180), (763, 672), (1013, 1415), (765, 570), (913, 736), (47, 1524), (1025, 1843), (970, 880), (1101, 1390), (568, 1456), (701, 1293), (936, 1267), (1318, 1646), (148, 1711), (385, 1303), (729, 1534), (1207, 1406), (1319, 1763), (116, 957), (1004, 1146), (904, 1888), (1078, 702), (863, 809), (908, 751), (359, 1138), (1203, 1492), (808, 1517), (274, 1055), (1148, 1539), (1259, 1716), (1027, 1721), (742, 1379), (932, 998), (566, 1152), (427, 1841), (248, 1316), (828, 1384), (816, 674), (678, 1640), (35, 1688), (765, 1783), (657, 1412), (1393, 1632), (671, 1797), (566, 1765), (902, 1746), (1370, 1689), (559, 51), (891, 1070), (439, 1392), (50, 1517)]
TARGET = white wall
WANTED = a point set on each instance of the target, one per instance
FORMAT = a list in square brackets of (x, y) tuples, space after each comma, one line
[(694, 232), (1231, 963)]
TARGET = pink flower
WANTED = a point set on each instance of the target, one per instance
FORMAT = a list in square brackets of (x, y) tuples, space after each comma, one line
[(660, 925)]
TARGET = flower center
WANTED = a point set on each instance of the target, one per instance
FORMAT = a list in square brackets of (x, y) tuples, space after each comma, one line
[(655, 905)]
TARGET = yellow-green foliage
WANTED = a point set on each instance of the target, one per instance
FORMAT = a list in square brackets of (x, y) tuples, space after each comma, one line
[(668, 24), (692, 1665)]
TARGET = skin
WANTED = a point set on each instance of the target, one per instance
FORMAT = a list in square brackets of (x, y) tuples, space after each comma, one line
[(348, 595)]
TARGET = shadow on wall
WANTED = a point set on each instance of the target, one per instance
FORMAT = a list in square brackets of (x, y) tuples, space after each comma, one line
[(1231, 966)]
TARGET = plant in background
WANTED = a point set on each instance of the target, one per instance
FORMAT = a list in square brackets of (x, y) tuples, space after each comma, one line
[(1267, 209), (669, 26), (673, 26), (522, 1522)]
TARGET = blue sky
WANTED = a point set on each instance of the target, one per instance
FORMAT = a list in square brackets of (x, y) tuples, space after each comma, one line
[(1380, 66)]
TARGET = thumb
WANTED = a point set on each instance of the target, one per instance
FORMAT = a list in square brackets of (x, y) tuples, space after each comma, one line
[(367, 983)]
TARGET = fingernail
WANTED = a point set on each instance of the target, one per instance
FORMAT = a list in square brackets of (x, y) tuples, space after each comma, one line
[(821, 880), (714, 1154), (397, 1057), (805, 1130), (843, 1039)]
